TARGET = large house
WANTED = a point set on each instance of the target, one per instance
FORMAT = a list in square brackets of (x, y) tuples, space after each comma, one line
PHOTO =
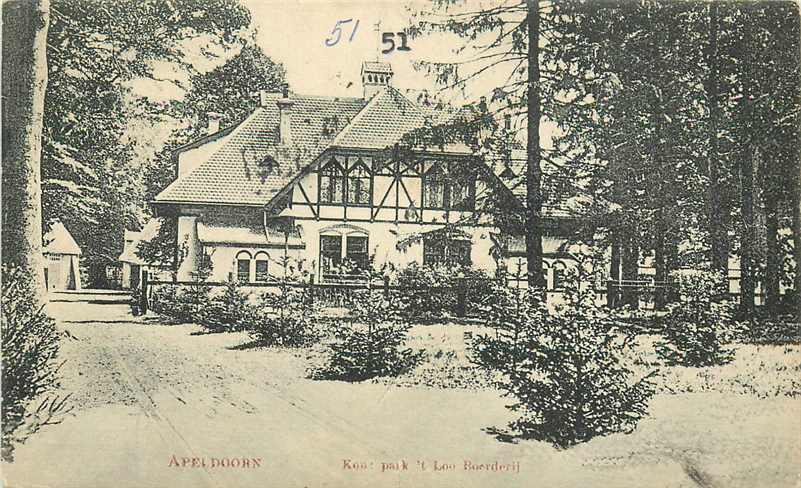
[(310, 180)]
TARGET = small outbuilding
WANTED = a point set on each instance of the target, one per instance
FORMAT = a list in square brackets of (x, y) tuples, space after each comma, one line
[(61, 254), (132, 264)]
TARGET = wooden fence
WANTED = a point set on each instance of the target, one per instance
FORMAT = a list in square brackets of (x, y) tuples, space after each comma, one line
[(329, 294)]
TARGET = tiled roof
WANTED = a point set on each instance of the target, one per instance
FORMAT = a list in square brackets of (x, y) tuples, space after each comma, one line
[(384, 120), (248, 229), (237, 174), (513, 175)]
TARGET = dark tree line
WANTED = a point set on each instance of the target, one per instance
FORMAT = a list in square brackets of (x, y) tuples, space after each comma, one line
[(677, 122)]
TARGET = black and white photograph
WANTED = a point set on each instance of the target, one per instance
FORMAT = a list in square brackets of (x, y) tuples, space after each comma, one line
[(407, 243)]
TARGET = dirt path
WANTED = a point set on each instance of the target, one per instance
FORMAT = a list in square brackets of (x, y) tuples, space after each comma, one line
[(148, 396)]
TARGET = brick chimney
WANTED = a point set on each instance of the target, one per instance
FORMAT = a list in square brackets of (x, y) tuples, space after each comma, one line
[(285, 114), (375, 76), (214, 122)]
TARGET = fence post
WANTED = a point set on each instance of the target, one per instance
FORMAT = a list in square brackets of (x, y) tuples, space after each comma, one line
[(386, 287), (311, 288), (143, 296)]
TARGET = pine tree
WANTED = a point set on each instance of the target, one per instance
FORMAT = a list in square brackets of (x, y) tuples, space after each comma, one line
[(371, 343), (566, 371)]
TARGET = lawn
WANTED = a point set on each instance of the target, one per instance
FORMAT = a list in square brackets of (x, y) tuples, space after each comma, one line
[(759, 370), (144, 391)]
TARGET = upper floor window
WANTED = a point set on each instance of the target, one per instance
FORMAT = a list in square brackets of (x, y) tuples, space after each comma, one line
[(434, 187), (443, 190), (460, 194), (332, 183), (359, 184)]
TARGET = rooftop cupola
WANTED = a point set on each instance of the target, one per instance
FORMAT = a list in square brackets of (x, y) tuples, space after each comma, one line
[(375, 76)]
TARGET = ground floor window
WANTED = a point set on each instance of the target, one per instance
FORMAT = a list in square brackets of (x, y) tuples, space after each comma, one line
[(262, 267), (335, 250), (558, 273), (356, 251), (330, 253), (243, 259), (446, 252)]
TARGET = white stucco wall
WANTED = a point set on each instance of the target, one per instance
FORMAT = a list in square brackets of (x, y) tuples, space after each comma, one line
[(383, 238), (224, 257), (187, 235)]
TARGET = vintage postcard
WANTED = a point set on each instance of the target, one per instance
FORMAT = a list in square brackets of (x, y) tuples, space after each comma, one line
[(423, 243)]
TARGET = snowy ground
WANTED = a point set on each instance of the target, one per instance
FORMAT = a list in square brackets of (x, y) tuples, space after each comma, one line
[(148, 396)]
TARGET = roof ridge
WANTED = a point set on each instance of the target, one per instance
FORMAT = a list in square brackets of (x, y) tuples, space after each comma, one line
[(388, 90), (358, 116), (318, 97), (413, 104)]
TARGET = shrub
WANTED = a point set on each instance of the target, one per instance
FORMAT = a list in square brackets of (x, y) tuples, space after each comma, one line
[(564, 369), (228, 311), (698, 326), (372, 343), (287, 318), (30, 348), (180, 305), (431, 291)]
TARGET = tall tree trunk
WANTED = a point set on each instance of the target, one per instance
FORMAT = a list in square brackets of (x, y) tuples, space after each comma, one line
[(536, 279), (612, 297), (748, 234), (774, 256), (660, 263), (630, 266), (797, 241), (671, 264), (718, 213), (25, 24)]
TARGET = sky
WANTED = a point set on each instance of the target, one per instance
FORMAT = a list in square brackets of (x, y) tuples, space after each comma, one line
[(295, 33)]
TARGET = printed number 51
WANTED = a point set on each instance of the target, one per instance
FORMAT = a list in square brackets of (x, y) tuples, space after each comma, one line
[(336, 33), (389, 38)]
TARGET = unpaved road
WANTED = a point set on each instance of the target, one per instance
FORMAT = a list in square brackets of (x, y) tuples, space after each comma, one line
[(148, 396)]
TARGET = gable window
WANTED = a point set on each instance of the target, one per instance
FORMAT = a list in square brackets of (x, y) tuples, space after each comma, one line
[(359, 184), (434, 188), (460, 197), (243, 259), (447, 252), (262, 267), (332, 183), (443, 190), (330, 252), (356, 251)]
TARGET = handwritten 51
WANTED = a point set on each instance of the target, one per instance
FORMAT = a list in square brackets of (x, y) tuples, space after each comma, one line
[(386, 37)]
